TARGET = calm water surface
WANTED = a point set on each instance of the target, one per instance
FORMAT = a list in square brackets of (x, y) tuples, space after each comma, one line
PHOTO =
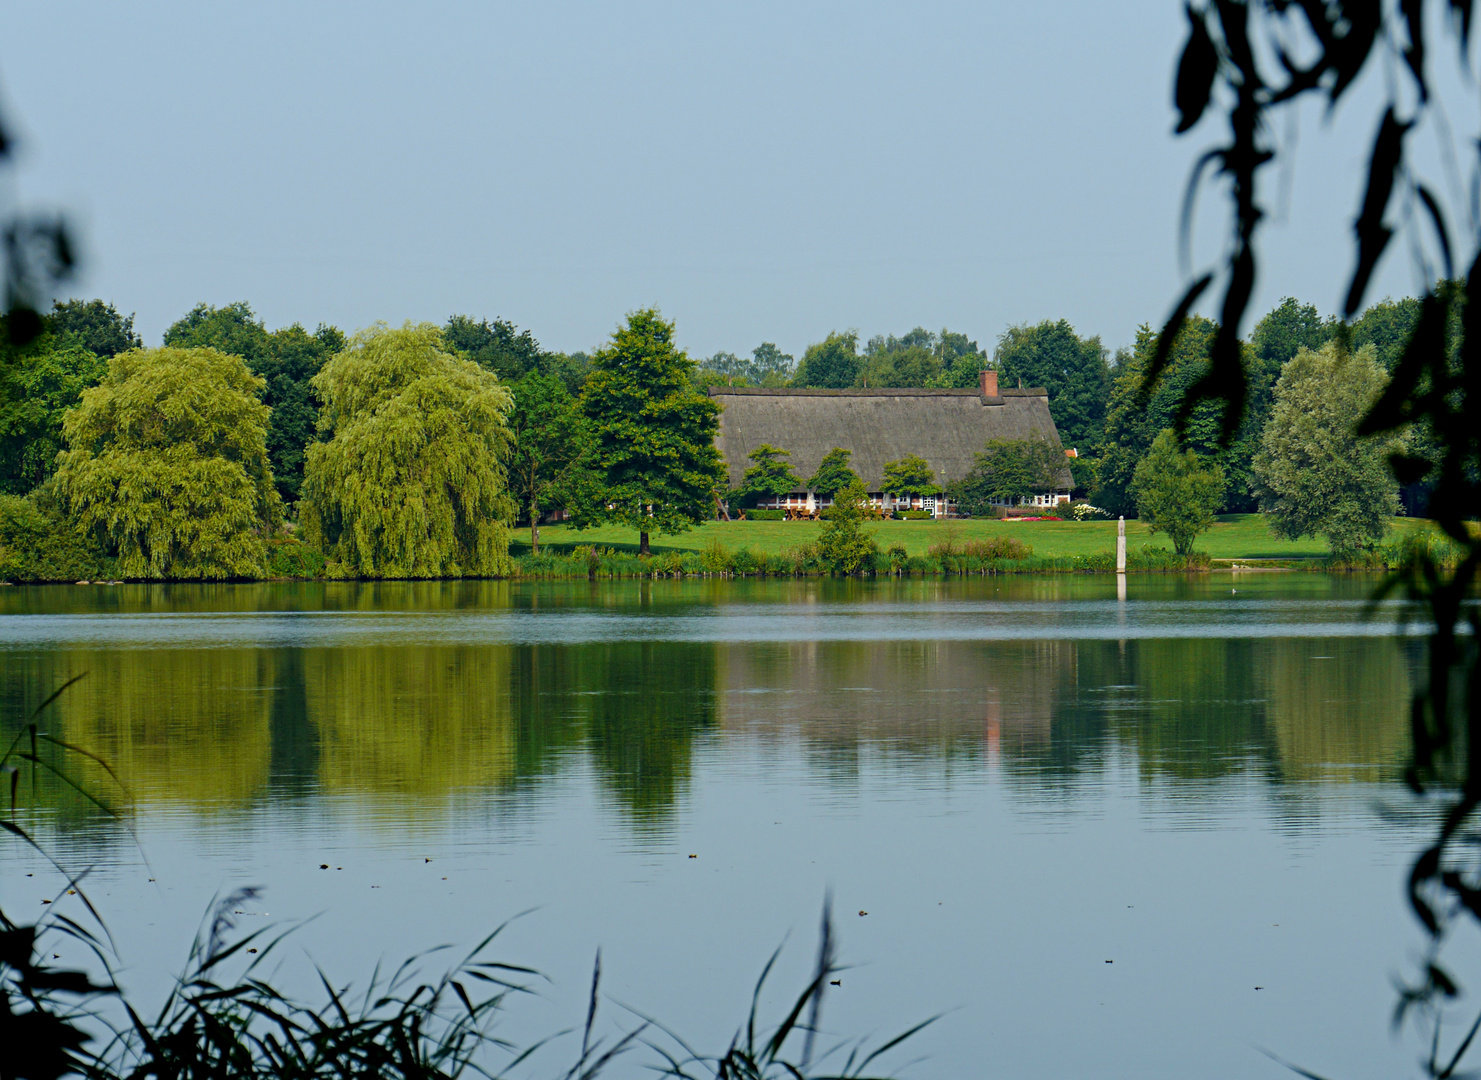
[(1018, 780)]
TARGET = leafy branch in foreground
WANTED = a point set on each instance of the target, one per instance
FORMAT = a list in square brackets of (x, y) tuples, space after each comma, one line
[(1252, 60)]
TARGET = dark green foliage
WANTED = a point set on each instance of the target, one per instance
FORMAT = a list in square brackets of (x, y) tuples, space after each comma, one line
[(1073, 369), (38, 546), (913, 515), (500, 346), (233, 329), (1288, 328), (294, 358), (844, 547), (656, 462), (550, 463), (770, 476), (94, 325), (38, 383), (832, 363), (286, 359), (289, 557), (1135, 418), (754, 514), (833, 473), (1007, 470), (911, 475)]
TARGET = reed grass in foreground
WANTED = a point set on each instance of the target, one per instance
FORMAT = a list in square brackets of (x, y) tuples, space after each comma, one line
[(225, 1019)]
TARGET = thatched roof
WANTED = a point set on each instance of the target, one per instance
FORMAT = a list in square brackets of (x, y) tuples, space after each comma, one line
[(946, 427)]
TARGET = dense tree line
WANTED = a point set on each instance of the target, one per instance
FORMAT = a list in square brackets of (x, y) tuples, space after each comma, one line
[(413, 451)]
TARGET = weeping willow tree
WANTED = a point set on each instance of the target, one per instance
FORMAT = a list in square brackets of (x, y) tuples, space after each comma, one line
[(167, 464), (411, 482)]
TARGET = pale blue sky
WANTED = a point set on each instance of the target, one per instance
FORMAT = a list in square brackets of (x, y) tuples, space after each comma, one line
[(759, 171)]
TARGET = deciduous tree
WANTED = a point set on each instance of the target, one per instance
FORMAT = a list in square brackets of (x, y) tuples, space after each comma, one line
[(41, 381), (286, 359), (411, 481), (1008, 470), (551, 456), (1135, 418), (1177, 492), (1317, 478), (833, 473), (832, 363), (1073, 369), (844, 547), (94, 325), (911, 475), (167, 463), (656, 462), (770, 476)]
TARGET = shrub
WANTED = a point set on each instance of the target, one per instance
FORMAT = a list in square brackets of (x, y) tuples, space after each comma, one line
[(844, 547), (1083, 511), (714, 556), (997, 547), (289, 557), (913, 515), (765, 515), (35, 546)]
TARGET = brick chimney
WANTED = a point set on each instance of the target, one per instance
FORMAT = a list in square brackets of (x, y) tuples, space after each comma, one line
[(989, 383)]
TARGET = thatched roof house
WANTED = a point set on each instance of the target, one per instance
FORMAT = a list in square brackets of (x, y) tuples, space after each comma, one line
[(946, 427)]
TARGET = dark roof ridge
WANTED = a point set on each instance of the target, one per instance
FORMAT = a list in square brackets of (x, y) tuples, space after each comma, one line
[(887, 391)]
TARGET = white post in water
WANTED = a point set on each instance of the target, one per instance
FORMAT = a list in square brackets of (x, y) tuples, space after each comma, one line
[(1121, 545)]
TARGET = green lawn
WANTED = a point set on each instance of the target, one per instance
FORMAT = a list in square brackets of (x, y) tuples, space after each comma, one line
[(1235, 536)]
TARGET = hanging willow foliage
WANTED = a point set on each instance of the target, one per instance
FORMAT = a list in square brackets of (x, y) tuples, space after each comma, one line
[(167, 462), (411, 482)]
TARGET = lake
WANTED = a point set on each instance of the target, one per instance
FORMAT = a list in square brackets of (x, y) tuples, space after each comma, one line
[(1139, 835)]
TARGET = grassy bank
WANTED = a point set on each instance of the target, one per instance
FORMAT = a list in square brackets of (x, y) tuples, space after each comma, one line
[(786, 549), (1234, 536)]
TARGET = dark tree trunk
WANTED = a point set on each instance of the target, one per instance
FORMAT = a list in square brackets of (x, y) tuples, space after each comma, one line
[(534, 528), (643, 544)]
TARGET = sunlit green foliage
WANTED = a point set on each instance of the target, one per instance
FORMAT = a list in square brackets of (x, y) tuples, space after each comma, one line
[(1317, 477), (832, 363), (167, 462), (768, 366), (39, 546), (1288, 328), (844, 547), (1387, 326), (1177, 492), (411, 481), (657, 466)]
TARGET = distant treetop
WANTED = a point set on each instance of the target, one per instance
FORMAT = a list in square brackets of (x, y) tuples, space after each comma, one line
[(96, 326)]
